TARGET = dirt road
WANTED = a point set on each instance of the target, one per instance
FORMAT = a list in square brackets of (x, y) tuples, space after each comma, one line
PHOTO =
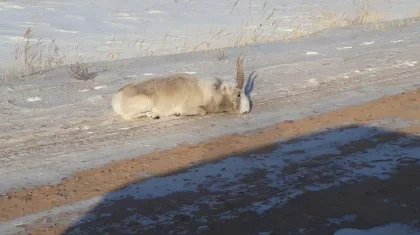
[(56, 126), (356, 167)]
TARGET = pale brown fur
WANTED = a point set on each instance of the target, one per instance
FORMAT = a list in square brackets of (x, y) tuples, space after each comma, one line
[(178, 94)]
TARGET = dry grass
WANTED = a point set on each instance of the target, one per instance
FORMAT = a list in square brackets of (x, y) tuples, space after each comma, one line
[(220, 54), (268, 29), (33, 57), (80, 71), (262, 29), (363, 15)]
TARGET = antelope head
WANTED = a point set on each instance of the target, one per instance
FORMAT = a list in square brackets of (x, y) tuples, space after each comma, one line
[(244, 102), (231, 96)]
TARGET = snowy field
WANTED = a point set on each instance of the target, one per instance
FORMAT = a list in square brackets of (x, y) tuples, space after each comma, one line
[(116, 29)]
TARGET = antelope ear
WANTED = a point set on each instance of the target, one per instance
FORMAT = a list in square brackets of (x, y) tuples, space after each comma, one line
[(217, 84), (224, 86)]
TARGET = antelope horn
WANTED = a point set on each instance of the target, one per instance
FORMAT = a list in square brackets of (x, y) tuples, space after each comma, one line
[(239, 73)]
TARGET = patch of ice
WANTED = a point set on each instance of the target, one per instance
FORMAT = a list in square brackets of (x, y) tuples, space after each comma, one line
[(13, 38), (409, 64), (148, 74), (388, 229), (95, 98), (123, 14), (67, 31), (265, 233), (346, 218), (227, 216), (154, 12), (6, 6), (396, 41), (83, 90), (287, 30), (343, 48), (311, 53), (167, 218), (33, 99), (263, 206), (367, 43), (75, 17), (190, 72), (313, 81), (100, 87), (405, 63), (303, 231)]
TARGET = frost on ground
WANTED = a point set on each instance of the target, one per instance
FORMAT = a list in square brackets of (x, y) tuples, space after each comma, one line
[(57, 125), (125, 29)]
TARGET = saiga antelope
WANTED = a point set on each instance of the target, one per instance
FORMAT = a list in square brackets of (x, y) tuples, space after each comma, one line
[(182, 95)]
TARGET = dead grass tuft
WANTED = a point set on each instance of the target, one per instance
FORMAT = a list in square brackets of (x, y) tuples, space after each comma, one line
[(363, 15), (33, 57), (220, 54), (80, 71)]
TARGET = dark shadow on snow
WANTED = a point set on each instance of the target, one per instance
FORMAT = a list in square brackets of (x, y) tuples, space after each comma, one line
[(351, 176)]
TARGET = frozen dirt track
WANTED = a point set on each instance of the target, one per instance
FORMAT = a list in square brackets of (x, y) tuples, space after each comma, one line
[(57, 126)]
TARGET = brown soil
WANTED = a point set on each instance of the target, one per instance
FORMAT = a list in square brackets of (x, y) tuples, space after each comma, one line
[(99, 181)]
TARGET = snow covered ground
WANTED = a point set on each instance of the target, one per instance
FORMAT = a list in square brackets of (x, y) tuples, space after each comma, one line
[(115, 29), (61, 124)]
